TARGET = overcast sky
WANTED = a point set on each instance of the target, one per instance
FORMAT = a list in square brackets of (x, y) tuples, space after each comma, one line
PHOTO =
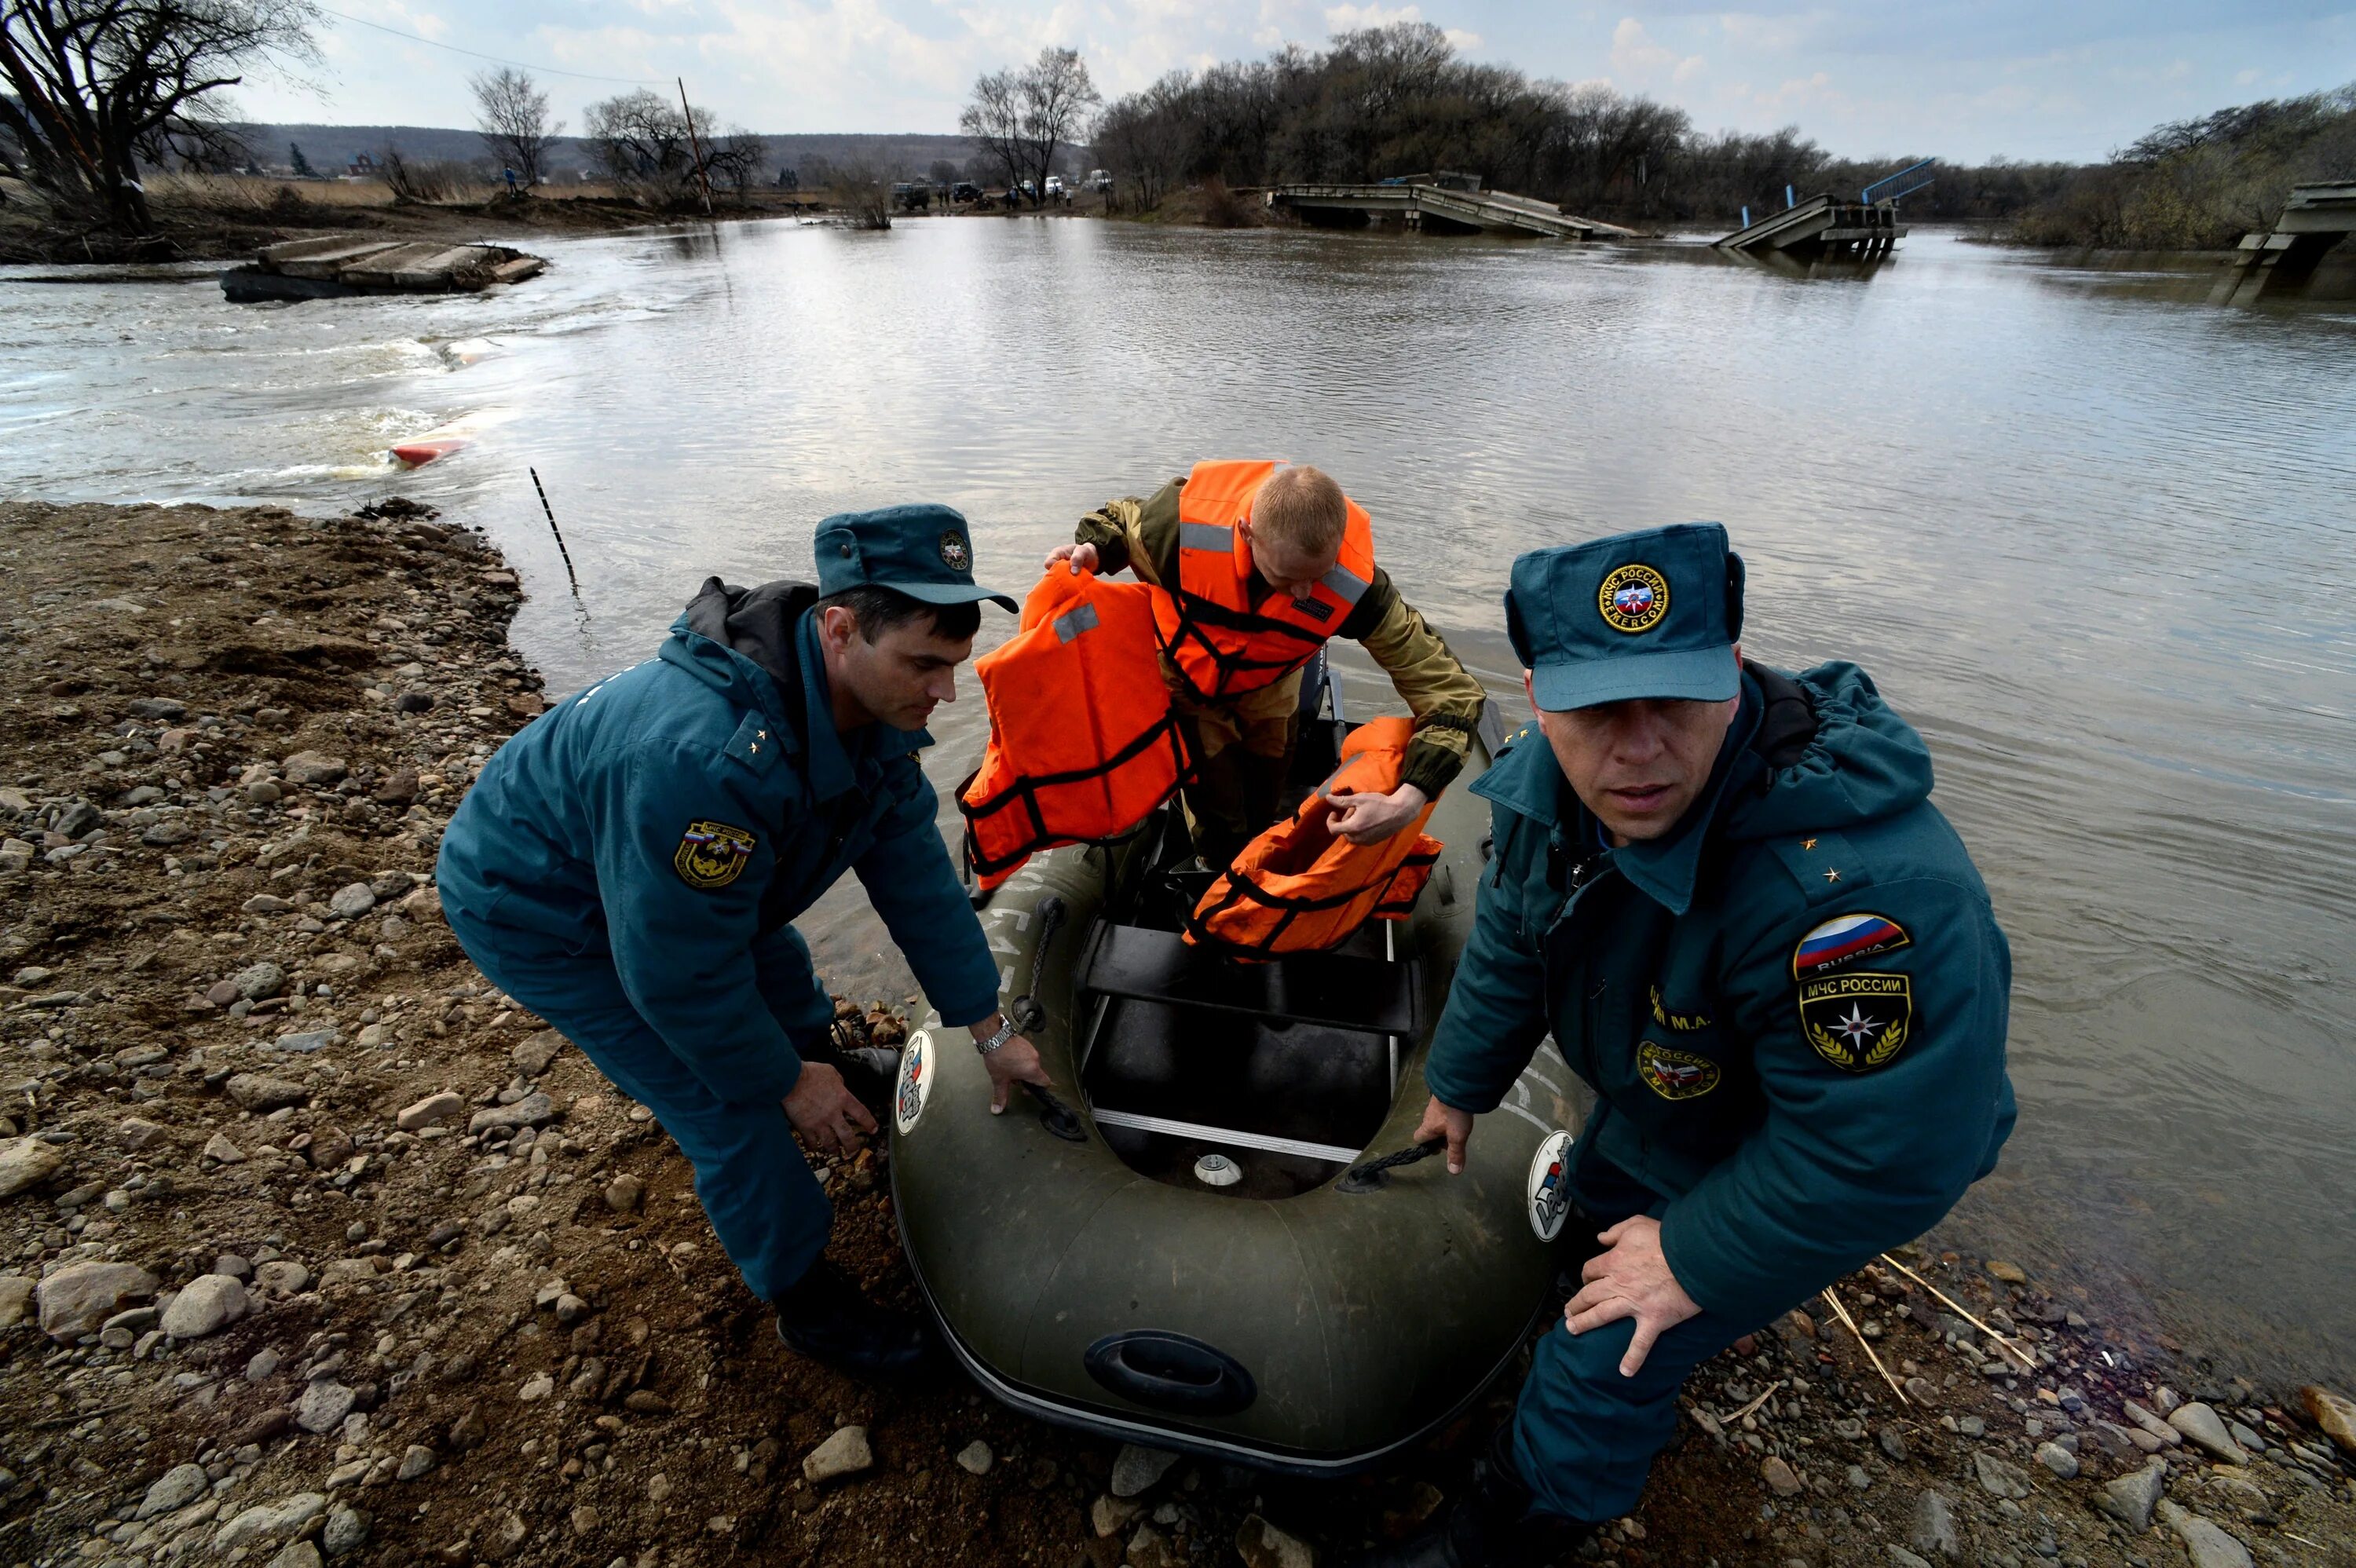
[(1964, 79)]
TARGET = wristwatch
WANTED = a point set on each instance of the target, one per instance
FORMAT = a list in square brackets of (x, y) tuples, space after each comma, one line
[(1006, 1032)]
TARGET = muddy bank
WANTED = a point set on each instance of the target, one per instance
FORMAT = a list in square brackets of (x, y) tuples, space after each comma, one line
[(310, 1237), (233, 226)]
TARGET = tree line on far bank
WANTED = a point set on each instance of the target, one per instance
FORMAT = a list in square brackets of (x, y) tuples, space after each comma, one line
[(1382, 102)]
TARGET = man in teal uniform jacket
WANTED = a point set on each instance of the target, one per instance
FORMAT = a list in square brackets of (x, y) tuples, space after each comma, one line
[(627, 867), (1725, 891)]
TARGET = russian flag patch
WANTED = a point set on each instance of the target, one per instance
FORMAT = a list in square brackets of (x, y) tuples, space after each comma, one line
[(1843, 939)]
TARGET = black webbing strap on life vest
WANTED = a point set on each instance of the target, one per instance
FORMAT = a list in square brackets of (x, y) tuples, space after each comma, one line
[(1194, 613), (1240, 886), (1025, 789)]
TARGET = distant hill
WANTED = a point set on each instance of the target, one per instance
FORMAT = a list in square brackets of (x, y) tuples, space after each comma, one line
[(331, 149)]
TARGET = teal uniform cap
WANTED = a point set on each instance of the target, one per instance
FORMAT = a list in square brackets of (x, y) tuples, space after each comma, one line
[(924, 551), (1648, 615)]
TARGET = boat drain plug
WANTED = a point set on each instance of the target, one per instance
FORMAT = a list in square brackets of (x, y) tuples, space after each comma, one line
[(1217, 1170)]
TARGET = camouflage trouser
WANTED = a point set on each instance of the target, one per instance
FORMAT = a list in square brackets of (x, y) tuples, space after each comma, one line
[(1242, 747)]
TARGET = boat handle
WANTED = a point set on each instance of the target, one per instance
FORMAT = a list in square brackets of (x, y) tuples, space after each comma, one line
[(1170, 1372), (1057, 1118), (1368, 1178)]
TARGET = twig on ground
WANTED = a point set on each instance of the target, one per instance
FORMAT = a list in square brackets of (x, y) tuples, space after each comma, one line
[(1842, 1313), (1748, 1409), (2002, 1343)]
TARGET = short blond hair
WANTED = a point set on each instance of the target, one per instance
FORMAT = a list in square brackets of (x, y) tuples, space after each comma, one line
[(1302, 508)]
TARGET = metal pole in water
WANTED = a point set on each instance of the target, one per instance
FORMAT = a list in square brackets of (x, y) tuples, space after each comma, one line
[(1746, 217), (694, 142), (557, 531)]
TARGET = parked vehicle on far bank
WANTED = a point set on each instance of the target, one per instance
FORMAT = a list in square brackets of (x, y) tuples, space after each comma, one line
[(1054, 185), (1101, 180), (965, 190)]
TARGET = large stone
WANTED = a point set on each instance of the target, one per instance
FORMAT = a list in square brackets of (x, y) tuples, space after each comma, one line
[(975, 1458), (79, 1298), (283, 1276), (2059, 1460), (15, 1299), (351, 902), (2208, 1545), (532, 1053), (256, 1092), (257, 982), (434, 1111), (1901, 1558), (268, 1521), (175, 1488), (1261, 1545), (1998, 1477), (347, 1532), (414, 1462), (2129, 1498), (27, 1162), (218, 1148), (1933, 1531), (324, 1405), (314, 768), (1136, 1467), (2335, 1414), (2146, 1421), (295, 1554), (208, 1303), (844, 1454), (136, 1133), (2206, 1430), (1781, 1478), (533, 1110)]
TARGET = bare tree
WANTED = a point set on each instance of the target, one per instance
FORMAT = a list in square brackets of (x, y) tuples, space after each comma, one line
[(864, 186), (994, 120), (511, 114), (90, 81), (641, 139), (1022, 118), (734, 159)]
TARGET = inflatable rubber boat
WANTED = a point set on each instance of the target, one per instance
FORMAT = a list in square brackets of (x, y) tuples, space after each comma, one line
[(1214, 1234)]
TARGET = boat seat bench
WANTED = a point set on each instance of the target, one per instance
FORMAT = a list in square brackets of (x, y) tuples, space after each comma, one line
[(1336, 990)]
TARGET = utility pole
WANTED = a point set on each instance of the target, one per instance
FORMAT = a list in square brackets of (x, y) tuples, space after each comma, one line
[(701, 178)]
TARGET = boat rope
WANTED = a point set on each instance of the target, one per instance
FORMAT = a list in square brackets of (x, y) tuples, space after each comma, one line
[(1368, 1178), (1029, 1016)]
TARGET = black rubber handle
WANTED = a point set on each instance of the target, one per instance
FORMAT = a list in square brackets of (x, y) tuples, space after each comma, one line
[(1057, 1118), (1170, 1372)]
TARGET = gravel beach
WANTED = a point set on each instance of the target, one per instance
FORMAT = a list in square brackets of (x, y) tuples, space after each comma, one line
[(314, 1248)]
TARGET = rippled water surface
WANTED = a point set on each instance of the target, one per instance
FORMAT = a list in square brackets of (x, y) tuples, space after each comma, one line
[(2096, 538)]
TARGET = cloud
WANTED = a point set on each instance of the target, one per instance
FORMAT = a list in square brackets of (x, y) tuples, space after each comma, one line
[(1350, 18), (1640, 60)]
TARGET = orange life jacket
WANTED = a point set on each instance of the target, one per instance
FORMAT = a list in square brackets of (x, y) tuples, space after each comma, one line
[(1083, 745), (1221, 641), (1299, 886)]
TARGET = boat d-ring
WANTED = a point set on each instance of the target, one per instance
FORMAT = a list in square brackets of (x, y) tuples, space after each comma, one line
[(1170, 1372), (1057, 1118)]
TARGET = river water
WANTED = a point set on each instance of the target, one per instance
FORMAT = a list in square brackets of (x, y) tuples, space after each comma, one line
[(2094, 536)]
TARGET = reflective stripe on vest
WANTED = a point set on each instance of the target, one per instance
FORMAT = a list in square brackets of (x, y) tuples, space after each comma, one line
[(1299, 887), (1083, 743), (1222, 642)]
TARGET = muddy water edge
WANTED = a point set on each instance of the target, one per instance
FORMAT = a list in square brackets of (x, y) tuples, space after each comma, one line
[(458, 1305)]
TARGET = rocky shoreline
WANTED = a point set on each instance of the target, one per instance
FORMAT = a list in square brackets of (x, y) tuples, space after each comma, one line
[(313, 1248)]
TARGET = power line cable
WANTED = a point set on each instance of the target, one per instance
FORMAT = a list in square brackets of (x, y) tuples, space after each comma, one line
[(495, 59)]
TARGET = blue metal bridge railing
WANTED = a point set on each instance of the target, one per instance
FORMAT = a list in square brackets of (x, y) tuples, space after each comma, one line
[(1905, 182)]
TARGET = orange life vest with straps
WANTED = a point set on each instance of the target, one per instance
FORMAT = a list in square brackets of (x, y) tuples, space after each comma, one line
[(1083, 745), (1300, 887), (1221, 641)]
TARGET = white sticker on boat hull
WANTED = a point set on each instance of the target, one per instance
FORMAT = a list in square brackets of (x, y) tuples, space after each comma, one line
[(914, 1085), (1550, 1186)]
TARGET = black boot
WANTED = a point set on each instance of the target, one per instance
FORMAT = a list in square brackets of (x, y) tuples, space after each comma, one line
[(872, 1072), (1491, 1528), (827, 1318)]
